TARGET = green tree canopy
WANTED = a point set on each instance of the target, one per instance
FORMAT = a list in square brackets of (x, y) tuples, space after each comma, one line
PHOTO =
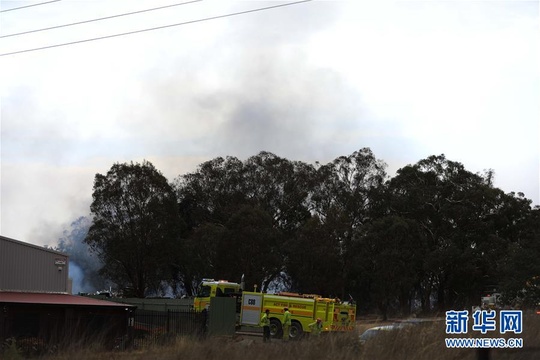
[(134, 227), (226, 200), (393, 252), (342, 198), (434, 234)]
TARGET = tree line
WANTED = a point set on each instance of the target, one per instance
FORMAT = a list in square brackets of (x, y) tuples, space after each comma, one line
[(433, 237)]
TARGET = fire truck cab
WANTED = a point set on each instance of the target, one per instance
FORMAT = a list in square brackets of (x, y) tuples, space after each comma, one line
[(210, 288)]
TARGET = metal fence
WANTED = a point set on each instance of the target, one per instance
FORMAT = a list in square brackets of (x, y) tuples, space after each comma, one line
[(38, 336), (157, 327)]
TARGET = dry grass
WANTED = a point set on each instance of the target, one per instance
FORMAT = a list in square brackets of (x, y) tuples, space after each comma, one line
[(425, 341)]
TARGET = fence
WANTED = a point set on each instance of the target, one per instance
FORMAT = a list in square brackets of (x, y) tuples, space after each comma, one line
[(155, 327), (34, 334), (41, 334)]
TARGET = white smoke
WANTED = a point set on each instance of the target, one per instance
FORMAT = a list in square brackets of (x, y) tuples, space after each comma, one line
[(79, 283)]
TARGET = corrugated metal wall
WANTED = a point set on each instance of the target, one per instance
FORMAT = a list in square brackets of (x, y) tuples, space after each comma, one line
[(222, 318), (27, 267)]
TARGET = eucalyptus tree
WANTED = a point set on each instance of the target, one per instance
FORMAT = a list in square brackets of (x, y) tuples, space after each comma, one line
[(264, 187), (519, 270), (393, 252), (454, 209), (212, 193), (206, 199), (313, 262), (249, 245), (343, 201), (135, 225), (281, 187)]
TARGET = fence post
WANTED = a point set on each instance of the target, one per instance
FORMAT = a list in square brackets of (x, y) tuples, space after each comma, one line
[(204, 322), (130, 329)]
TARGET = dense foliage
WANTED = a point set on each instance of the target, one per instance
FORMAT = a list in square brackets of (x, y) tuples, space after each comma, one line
[(433, 237), (135, 226)]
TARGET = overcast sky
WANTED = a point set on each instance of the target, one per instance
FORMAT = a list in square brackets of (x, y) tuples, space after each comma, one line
[(310, 82)]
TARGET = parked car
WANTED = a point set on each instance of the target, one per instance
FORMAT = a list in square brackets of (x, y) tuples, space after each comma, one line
[(377, 330)]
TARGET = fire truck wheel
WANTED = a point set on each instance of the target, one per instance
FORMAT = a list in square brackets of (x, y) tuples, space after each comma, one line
[(275, 328), (296, 331)]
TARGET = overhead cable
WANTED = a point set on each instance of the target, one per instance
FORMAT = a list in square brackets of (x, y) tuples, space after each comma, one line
[(156, 28), (99, 19), (27, 6)]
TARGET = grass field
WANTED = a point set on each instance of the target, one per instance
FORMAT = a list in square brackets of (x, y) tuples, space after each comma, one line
[(424, 341)]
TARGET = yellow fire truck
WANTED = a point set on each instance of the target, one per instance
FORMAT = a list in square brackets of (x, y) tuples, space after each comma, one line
[(305, 309)]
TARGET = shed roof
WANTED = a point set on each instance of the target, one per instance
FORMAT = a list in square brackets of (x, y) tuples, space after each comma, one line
[(42, 248), (55, 299)]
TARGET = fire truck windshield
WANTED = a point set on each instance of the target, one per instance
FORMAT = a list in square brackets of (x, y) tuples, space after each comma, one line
[(204, 291)]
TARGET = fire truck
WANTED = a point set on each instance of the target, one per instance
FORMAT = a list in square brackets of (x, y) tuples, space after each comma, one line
[(489, 301), (335, 314)]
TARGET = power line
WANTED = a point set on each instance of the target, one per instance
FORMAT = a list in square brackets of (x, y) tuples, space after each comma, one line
[(157, 28), (27, 6), (99, 19)]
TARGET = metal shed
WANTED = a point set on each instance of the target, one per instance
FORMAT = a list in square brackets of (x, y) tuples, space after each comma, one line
[(58, 320), (27, 267), (38, 312)]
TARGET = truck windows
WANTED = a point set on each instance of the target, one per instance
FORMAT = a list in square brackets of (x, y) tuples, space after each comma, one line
[(225, 291), (204, 291)]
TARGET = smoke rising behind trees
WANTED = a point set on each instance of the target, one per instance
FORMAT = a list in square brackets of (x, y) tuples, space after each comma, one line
[(84, 266)]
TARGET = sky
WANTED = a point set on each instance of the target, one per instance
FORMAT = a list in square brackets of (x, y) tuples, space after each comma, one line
[(309, 81)]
